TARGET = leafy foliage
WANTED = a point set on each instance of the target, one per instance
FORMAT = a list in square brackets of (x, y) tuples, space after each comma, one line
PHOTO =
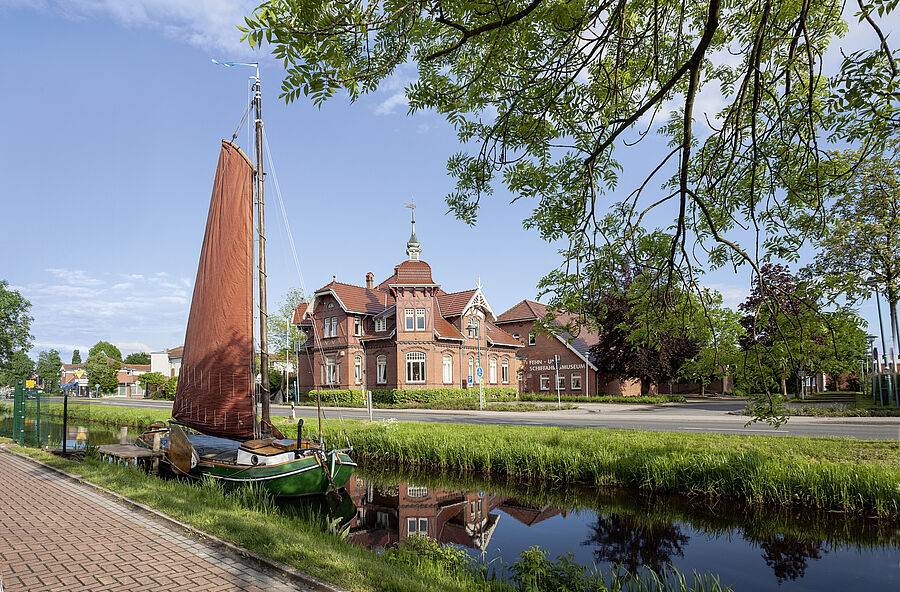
[(76, 356), (101, 370), (283, 336), (15, 322), (18, 366), (152, 382), (107, 348), (137, 358), (48, 367)]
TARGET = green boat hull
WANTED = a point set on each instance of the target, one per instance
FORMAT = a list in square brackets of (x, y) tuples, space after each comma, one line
[(303, 476)]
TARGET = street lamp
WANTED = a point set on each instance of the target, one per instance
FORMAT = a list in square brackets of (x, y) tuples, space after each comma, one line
[(473, 331)]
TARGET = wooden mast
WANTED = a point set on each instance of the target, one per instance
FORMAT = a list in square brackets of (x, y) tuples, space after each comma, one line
[(261, 227)]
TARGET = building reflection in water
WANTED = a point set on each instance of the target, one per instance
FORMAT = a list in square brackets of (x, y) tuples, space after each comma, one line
[(387, 514)]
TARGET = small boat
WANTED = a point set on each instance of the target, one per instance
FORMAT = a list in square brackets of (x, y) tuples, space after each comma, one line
[(215, 430)]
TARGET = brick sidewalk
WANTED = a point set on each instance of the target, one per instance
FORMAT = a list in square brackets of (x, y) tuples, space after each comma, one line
[(57, 534)]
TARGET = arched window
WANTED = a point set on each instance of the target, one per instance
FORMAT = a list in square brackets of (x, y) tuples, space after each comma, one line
[(357, 369), (448, 368), (415, 367), (492, 369), (381, 369), (472, 367), (504, 371)]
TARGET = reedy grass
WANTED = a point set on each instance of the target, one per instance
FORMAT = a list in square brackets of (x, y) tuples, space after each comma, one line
[(829, 473)]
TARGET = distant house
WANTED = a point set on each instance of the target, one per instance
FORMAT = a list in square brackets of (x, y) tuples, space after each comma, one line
[(74, 376), (575, 374), (167, 362)]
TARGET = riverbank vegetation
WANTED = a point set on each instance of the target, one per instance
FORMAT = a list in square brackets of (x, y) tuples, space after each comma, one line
[(248, 518), (828, 473)]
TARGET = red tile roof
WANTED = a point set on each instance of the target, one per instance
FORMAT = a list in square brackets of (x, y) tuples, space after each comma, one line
[(444, 328), (73, 366), (176, 352), (452, 305), (138, 366), (415, 273), (298, 313), (529, 310), (357, 298), (499, 336)]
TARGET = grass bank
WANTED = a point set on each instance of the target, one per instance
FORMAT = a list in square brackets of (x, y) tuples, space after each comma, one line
[(251, 520), (638, 400), (827, 473)]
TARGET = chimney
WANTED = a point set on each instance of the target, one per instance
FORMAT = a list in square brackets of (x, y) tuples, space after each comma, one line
[(370, 280)]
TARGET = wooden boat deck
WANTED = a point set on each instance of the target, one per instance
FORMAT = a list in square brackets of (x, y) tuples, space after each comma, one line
[(128, 451)]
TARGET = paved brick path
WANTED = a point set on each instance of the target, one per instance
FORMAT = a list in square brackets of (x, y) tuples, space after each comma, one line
[(56, 534)]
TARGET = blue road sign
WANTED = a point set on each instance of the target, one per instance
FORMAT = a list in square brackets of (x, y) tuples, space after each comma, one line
[(479, 372), (469, 379)]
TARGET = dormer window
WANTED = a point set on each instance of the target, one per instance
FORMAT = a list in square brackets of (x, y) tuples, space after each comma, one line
[(380, 325)]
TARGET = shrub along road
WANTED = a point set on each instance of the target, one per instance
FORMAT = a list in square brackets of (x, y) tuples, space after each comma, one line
[(706, 415)]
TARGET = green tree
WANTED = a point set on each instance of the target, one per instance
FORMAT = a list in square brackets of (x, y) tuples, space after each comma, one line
[(101, 371), (17, 367), (283, 335), (106, 347), (76, 357), (48, 367), (15, 322), (137, 358), (859, 252), (718, 339), (152, 381), (171, 387)]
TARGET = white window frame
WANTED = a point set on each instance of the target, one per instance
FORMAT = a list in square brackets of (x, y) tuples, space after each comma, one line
[(381, 369), (492, 370), (531, 338), (472, 367), (334, 326), (410, 314), (380, 325), (420, 319), (561, 382), (357, 369), (415, 360), (545, 382), (504, 371), (326, 328), (576, 382), (448, 368), (477, 323), (357, 326), (332, 371), (416, 526)]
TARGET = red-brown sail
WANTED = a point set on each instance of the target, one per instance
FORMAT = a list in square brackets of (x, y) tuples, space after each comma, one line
[(215, 380)]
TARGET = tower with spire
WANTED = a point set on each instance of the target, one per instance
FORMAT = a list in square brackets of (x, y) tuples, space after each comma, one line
[(412, 246)]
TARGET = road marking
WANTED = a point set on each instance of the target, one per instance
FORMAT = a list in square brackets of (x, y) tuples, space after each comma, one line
[(737, 429)]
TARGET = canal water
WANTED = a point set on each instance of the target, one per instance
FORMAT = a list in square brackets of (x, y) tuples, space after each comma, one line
[(750, 548)]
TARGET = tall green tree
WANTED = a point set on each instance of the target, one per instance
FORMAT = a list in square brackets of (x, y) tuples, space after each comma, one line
[(107, 348), (137, 358), (859, 252), (283, 336), (17, 367), (101, 371), (76, 356), (15, 322), (48, 367)]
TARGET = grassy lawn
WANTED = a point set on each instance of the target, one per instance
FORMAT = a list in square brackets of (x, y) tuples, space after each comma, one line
[(830, 473)]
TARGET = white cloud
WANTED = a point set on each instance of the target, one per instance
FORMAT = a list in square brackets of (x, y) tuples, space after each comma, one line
[(387, 106), (732, 295), (209, 24)]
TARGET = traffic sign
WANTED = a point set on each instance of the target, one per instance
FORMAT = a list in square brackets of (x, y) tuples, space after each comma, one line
[(469, 379), (479, 372)]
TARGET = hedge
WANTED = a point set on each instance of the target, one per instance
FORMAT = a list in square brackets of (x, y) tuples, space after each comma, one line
[(353, 398)]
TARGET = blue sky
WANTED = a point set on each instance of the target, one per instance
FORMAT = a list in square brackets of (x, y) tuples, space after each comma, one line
[(113, 117)]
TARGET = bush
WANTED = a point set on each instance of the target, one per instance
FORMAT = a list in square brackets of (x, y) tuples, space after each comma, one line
[(441, 395), (167, 391), (345, 398)]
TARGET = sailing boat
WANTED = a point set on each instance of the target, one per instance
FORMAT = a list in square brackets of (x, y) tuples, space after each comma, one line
[(214, 431)]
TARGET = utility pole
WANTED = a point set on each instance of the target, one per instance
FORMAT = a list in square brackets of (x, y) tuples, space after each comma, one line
[(556, 365)]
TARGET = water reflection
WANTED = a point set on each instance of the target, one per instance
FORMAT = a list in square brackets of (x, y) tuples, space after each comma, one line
[(757, 548)]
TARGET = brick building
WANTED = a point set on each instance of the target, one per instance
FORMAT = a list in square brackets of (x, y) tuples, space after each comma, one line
[(576, 374), (75, 377), (405, 333)]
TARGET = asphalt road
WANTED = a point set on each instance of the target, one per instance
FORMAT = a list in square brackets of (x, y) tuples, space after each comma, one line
[(712, 416)]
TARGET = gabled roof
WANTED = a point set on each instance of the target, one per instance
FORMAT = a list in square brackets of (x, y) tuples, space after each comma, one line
[(176, 352), (299, 313), (498, 336), (529, 310), (145, 367), (452, 305), (356, 298), (444, 329)]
